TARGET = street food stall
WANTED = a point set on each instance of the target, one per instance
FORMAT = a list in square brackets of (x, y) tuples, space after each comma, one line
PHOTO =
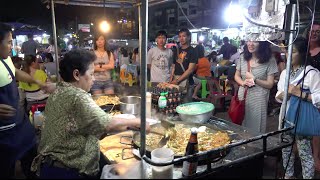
[(226, 150), (240, 155)]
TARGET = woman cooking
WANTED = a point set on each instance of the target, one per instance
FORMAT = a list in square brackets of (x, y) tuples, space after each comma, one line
[(69, 145)]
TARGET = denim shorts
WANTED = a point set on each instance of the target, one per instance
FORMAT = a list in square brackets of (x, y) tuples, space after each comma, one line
[(102, 85)]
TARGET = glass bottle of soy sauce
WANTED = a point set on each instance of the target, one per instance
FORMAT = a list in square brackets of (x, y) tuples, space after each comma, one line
[(190, 166)]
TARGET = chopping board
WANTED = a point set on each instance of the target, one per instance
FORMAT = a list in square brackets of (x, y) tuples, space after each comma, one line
[(112, 149)]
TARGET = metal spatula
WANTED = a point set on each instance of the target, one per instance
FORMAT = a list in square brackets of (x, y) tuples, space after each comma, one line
[(151, 131), (167, 125)]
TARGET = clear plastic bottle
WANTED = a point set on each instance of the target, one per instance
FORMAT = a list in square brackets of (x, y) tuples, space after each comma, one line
[(162, 101), (38, 119)]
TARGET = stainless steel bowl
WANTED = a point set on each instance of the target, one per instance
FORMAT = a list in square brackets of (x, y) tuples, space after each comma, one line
[(201, 115), (130, 105), (199, 118)]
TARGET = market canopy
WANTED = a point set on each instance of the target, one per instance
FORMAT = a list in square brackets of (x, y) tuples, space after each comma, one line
[(106, 3), (25, 29)]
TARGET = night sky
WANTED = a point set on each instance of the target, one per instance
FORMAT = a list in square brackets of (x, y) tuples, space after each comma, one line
[(25, 11), (34, 12)]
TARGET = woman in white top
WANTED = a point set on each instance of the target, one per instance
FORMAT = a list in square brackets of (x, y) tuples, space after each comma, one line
[(102, 68), (312, 82)]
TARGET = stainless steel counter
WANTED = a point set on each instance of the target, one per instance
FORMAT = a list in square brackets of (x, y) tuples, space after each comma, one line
[(244, 158)]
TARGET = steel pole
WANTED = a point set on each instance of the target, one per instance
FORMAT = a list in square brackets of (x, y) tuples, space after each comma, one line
[(288, 67), (55, 39), (143, 25)]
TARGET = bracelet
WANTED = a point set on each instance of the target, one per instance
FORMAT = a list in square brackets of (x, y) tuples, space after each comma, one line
[(306, 97)]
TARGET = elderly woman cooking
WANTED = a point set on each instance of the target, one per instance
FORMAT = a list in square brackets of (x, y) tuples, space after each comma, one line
[(69, 145)]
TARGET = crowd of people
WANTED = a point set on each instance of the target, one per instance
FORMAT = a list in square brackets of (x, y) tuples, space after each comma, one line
[(74, 124)]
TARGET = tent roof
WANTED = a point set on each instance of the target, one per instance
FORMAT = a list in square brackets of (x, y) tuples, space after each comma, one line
[(25, 29), (108, 3)]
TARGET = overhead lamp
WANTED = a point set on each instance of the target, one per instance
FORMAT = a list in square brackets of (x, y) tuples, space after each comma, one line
[(234, 14), (104, 26), (201, 38)]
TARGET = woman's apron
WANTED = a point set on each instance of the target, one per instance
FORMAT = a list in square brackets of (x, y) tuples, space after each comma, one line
[(17, 135)]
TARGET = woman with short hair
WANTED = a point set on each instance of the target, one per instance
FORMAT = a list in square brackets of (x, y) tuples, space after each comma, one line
[(69, 145)]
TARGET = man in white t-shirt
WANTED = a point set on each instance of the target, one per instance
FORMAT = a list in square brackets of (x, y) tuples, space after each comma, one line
[(160, 59)]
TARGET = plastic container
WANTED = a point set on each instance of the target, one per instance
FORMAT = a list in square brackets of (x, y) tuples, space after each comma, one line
[(38, 119), (162, 155), (162, 101), (148, 105)]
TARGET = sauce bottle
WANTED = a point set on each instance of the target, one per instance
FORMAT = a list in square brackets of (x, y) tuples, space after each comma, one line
[(190, 166)]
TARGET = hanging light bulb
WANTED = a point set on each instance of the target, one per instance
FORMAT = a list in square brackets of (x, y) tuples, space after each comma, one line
[(104, 26)]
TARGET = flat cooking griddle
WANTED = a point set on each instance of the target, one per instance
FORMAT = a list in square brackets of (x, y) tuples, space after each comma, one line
[(210, 128)]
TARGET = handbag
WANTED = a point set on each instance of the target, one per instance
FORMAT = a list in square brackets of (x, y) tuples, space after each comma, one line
[(237, 108), (308, 121)]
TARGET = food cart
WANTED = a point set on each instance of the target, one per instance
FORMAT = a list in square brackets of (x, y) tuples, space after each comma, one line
[(245, 153)]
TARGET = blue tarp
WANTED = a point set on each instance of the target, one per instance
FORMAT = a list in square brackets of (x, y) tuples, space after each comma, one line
[(25, 29)]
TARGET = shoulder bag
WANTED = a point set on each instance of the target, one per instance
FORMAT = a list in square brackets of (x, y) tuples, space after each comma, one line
[(237, 108), (303, 114)]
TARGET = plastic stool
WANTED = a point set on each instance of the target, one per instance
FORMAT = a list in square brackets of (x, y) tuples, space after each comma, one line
[(131, 79), (123, 78), (204, 91)]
